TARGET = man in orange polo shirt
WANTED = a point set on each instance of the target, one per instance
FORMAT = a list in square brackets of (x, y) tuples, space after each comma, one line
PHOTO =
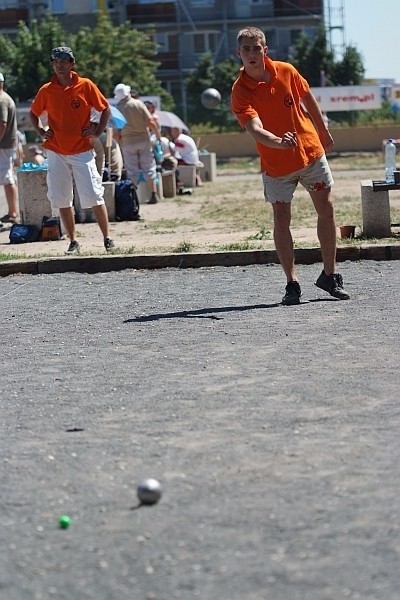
[(267, 100), (68, 100)]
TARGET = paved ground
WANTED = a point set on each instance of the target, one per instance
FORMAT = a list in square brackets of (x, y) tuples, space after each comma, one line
[(274, 431)]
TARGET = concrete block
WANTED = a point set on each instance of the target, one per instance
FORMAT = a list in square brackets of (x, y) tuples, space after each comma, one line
[(33, 201), (87, 215), (209, 171), (375, 211), (187, 175)]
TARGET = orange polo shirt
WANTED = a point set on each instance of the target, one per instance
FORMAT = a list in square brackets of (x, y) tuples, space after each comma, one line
[(68, 112), (277, 104)]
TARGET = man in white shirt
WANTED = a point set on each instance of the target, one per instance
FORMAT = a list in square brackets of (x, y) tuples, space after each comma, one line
[(186, 151)]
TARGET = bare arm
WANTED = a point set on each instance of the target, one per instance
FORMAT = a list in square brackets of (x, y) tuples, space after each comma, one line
[(96, 129), (104, 119), (154, 128), (315, 113), (47, 134), (255, 128)]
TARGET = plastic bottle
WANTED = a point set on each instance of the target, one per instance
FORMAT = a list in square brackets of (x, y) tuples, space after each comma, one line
[(390, 161)]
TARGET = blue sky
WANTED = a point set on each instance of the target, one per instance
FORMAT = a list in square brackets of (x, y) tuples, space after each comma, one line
[(372, 26)]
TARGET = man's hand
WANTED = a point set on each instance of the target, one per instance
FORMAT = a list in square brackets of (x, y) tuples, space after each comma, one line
[(48, 134), (289, 139)]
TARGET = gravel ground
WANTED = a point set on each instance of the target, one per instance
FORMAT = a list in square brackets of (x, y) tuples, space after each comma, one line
[(273, 430)]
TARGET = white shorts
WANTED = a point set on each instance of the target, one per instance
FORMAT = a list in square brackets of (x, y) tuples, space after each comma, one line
[(314, 177), (7, 175), (64, 170)]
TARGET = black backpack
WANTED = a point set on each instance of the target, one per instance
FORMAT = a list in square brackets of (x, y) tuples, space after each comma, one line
[(126, 201)]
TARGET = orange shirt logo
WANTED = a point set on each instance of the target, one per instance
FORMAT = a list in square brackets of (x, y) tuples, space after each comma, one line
[(288, 101)]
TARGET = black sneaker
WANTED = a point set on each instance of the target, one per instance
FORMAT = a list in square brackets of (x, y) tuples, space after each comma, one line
[(293, 293), (185, 191), (8, 219), (333, 284), (109, 244), (73, 248), (153, 199)]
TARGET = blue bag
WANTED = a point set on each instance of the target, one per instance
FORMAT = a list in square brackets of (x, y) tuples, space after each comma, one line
[(158, 152), (21, 234)]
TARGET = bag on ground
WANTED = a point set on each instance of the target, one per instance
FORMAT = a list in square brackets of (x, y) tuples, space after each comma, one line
[(51, 229), (126, 201), (21, 234)]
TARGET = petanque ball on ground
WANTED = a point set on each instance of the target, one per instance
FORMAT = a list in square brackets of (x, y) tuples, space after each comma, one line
[(210, 98), (149, 491), (64, 522)]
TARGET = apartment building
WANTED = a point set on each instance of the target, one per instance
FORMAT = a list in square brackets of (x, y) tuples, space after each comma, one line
[(184, 29)]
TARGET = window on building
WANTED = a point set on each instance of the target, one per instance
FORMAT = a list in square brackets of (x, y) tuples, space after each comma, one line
[(270, 35), (173, 42), (58, 7), (8, 4), (167, 42), (205, 42), (199, 3)]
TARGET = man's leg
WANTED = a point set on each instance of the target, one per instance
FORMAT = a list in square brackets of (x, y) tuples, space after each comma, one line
[(68, 220), (11, 192), (100, 212), (284, 247), (91, 192), (329, 280), (283, 238), (326, 228)]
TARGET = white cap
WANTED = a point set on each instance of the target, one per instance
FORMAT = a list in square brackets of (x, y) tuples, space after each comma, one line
[(121, 91), (1, 77)]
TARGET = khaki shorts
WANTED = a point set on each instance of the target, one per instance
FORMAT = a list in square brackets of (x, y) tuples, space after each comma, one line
[(314, 177), (7, 175), (139, 160)]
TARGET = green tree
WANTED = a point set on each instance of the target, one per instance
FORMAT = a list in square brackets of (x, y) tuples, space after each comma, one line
[(111, 54), (7, 51), (350, 70), (312, 57), (107, 54), (31, 55)]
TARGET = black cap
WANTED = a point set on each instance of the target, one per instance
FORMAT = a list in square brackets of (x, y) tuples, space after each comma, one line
[(62, 52)]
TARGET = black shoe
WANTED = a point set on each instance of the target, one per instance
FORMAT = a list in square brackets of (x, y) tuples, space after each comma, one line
[(109, 244), (73, 248), (333, 284), (8, 219), (293, 293), (153, 199)]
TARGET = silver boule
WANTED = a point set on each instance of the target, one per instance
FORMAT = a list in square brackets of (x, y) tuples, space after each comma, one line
[(149, 491), (210, 98)]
